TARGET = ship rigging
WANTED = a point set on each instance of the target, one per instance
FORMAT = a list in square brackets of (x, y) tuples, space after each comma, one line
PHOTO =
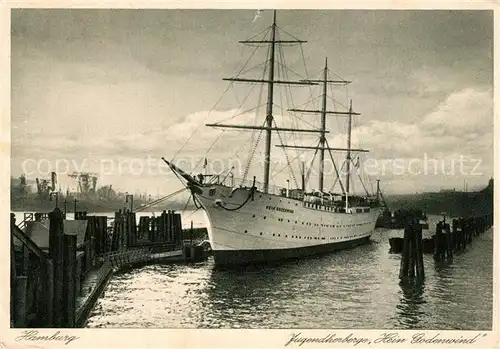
[(251, 223)]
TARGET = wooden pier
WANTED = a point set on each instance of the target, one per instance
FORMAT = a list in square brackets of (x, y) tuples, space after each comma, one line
[(60, 267), (443, 244), (447, 239)]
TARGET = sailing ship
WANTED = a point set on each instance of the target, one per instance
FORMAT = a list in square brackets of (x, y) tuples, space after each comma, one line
[(259, 223)]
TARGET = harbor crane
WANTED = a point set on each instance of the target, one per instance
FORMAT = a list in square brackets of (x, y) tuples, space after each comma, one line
[(87, 182)]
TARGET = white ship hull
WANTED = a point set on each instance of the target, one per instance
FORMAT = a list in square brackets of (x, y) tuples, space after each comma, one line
[(269, 227)]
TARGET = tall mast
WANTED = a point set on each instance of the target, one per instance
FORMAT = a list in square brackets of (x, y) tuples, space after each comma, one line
[(348, 154), (323, 128), (270, 81), (269, 111)]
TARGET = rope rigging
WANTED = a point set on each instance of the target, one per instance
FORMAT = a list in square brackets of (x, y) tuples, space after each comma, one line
[(335, 167), (158, 201), (310, 165), (247, 167), (287, 159), (216, 104)]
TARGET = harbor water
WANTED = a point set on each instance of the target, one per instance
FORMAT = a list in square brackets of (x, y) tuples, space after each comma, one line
[(357, 288)]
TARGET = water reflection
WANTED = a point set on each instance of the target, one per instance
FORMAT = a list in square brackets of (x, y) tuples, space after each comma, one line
[(411, 307), (355, 288)]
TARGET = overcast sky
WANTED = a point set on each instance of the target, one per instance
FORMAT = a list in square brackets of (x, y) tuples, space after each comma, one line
[(117, 86)]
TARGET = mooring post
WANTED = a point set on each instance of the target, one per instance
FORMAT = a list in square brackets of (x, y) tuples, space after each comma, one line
[(449, 247), (124, 234), (178, 227), (412, 251), (134, 228), (172, 227), (404, 265), (164, 221), (126, 229), (69, 284), (152, 229), (119, 238), (115, 236), (437, 242), (191, 232), (145, 228), (463, 234), (168, 225), (419, 251), (56, 232), (455, 237), (470, 227)]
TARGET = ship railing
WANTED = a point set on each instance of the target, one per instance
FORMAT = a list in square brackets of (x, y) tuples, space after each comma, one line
[(337, 207), (248, 183)]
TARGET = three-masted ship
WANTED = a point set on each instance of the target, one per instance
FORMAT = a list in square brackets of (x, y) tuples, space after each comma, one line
[(256, 223)]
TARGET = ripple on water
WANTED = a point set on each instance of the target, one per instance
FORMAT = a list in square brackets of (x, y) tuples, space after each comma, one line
[(357, 288)]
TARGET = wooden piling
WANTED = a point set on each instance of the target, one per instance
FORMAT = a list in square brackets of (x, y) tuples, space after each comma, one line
[(69, 281), (171, 227), (126, 231), (470, 223), (412, 262), (158, 237), (56, 232), (103, 228), (178, 229), (438, 245), (405, 257), (419, 257), (123, 232), (168, 225), (134, 228), (462, 235), (449, 246), (455, 237)]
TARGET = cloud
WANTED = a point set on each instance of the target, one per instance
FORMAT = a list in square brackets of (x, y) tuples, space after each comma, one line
[(462, 114), (91, 84)]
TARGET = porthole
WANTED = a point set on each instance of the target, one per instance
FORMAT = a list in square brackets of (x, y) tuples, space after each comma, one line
[(246, 231), (273, 234), (264, 217), (253, 216), (260, 233)]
